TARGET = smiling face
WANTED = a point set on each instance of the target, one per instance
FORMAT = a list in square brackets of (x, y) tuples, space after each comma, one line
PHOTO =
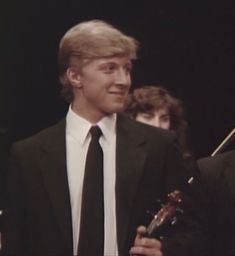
[(159, 118), (100, 87)]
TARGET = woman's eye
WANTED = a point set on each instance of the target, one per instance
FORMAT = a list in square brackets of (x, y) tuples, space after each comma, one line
[(165, 118), (147, 116)]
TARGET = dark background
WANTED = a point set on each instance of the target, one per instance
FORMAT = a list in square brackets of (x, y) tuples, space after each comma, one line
[(187, 46)]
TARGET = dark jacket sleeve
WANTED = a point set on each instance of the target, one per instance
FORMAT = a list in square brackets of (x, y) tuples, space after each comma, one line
[(4, 150), (218, 179), (13, 211), (188, 235)]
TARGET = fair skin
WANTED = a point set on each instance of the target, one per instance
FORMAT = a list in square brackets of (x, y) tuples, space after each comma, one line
[(158, 118), (101, 88), (145, 246)]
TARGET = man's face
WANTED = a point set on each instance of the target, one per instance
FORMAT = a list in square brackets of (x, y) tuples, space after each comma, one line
[(159, 118), (104, 86)]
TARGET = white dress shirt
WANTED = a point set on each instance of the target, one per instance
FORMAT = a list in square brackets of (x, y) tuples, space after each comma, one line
[(77, 142)]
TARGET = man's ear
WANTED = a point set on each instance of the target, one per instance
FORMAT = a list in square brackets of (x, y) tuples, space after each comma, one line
[(74, 77)]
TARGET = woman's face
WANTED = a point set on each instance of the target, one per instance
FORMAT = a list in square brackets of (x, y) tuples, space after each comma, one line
[(159, 118)]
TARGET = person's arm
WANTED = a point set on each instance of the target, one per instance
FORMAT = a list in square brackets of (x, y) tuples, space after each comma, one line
[(188, 236), (13, 213)]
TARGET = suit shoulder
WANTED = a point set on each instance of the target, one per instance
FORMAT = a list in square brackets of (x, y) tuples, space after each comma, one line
[(216, 161), (147, 131), (44, 137), (212, 168)]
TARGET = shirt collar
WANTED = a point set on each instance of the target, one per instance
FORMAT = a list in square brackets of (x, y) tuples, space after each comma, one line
[(78, 127), (108, 126)]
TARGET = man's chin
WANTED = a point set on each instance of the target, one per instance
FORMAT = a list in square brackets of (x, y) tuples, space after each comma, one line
[(120, 108), (116, 109)]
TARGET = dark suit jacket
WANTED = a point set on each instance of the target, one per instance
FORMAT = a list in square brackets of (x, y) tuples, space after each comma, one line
[(218, 177), (4, 146), (38, 210)]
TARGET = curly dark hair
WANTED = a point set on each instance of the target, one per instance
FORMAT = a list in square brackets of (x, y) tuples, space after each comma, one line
[(146, 99)]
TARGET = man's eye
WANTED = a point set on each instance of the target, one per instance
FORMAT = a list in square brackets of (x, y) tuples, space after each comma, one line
[(109, 68), (128, 69)]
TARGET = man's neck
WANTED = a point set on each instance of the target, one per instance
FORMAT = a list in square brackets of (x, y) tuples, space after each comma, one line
[(92, 116)]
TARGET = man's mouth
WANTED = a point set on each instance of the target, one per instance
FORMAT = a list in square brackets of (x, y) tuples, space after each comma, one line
[(119, 93)]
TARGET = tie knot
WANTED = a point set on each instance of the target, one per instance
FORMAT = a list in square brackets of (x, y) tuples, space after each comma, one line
[(95, 132)]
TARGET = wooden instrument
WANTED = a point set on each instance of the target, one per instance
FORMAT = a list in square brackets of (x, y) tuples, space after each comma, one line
[(166, 216)]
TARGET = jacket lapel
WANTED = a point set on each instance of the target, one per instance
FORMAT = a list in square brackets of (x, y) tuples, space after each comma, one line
[(129, 166), (130, 158), (54, 173)]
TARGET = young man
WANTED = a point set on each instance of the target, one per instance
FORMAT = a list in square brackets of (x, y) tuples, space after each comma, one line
[(43, 215)]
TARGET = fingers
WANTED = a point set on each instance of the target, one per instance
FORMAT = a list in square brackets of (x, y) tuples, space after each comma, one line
[(145, 251), (145, 246), (141, 230)]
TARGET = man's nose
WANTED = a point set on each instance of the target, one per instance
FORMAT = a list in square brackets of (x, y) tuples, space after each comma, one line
[(122, 77)]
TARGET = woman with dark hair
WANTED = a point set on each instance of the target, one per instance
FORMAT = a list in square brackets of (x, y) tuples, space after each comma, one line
[(155, 106)]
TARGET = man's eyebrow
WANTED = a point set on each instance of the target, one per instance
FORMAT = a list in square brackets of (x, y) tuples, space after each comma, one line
[(108, 63)]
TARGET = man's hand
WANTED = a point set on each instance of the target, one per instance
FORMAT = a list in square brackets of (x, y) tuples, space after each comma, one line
[(145, 246)]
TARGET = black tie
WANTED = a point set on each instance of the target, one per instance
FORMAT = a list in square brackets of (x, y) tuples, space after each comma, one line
[(91, 241)]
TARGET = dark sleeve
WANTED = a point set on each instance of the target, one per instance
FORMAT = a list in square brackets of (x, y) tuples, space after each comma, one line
[(13, 211), (187, 236), (4, 148), (218, 179)]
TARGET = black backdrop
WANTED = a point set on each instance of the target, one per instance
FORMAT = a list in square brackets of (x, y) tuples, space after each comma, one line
[(187, 46)]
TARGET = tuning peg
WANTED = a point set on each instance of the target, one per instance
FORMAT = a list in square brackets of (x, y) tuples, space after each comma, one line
[(174, 221)]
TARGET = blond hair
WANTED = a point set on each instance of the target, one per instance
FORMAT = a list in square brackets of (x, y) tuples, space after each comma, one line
[(89, 40)]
